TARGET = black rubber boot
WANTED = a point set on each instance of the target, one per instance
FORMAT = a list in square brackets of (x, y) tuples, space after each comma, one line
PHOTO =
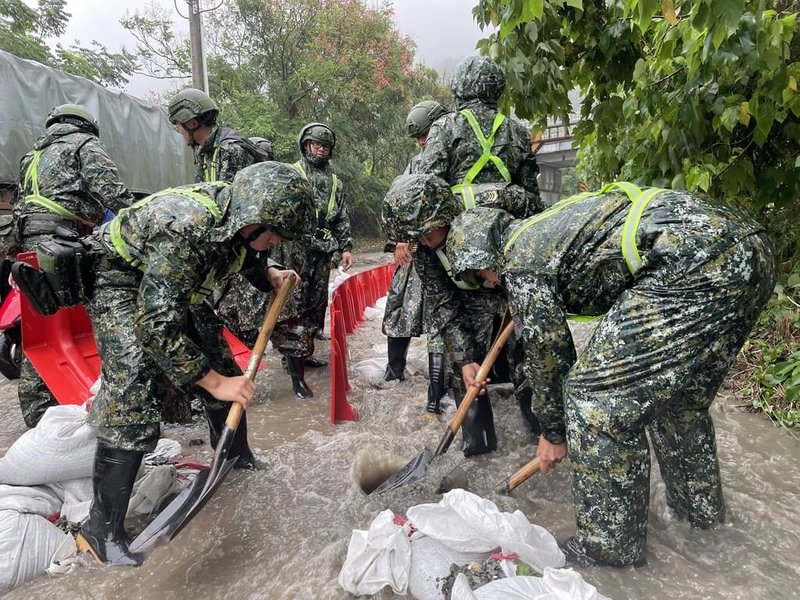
[(397, 348), (525, 397), (436, 386), (297, 371), (103, 534), (477, 430), (320, 334), (314, 363), (239, 447)]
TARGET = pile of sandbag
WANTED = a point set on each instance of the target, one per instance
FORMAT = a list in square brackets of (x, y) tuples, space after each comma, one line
[(414, 556), (45, 475)]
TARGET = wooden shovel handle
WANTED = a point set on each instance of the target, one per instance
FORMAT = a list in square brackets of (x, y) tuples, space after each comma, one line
[(521, 475), (472, 392), (276, 303)]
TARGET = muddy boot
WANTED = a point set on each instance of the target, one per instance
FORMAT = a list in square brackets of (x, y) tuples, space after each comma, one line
[(314, 363), (103, 534), (396, 366), (297, 371), (436, 386), (239, 446), (477, 430)]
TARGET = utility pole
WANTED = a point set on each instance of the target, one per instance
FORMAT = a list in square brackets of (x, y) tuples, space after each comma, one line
[(199, 69)]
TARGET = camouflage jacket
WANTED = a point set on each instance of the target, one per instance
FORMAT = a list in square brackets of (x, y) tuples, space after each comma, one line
[(184, 254), (224, 153), (452, 149), (333, 226), (75, 172), (572, 262)]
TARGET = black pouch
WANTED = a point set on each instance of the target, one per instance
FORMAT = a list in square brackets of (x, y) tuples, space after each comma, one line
[(8, 235), (60, 263), (35, 286)]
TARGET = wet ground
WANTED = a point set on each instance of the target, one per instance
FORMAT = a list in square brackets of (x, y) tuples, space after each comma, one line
[(282, 532)]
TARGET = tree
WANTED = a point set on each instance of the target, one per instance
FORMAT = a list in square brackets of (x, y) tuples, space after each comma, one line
[(275, 65), (698, 95), (24, 31)]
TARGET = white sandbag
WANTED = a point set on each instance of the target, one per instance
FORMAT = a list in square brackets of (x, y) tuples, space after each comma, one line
[(65, 558), (469, 523), (166, 450), (39, 500), (430, 565), (341, 276), (557, 584), (60, 447), (27, 542), (76, 498), (149, 491), (376, 558)]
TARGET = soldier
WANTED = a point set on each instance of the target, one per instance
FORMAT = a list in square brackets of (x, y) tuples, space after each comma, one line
[(681, 279), (159, 260), (67, 181), (263, 144), (332, 243), (403, 318)]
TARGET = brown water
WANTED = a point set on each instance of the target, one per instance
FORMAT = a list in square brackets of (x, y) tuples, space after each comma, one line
[(282, 532)]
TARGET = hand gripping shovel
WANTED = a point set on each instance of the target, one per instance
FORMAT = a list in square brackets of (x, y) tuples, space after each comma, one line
[(418, 466), (188, 503), (520, 476)]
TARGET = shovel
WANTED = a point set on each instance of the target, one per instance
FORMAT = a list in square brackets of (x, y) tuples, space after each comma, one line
[(520, 476), (418, 466), (188, 503)]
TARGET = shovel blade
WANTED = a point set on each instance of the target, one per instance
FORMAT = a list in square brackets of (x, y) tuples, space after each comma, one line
[(414, 470)]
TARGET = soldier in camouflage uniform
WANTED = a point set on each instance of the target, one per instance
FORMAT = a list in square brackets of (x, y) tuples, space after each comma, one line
[(158, 262), (263, 144), (680, 279), (403, 318), (460, 311), (67, 181), (332, 243)]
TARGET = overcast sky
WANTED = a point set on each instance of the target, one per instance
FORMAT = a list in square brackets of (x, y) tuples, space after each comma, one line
[(443, 30)]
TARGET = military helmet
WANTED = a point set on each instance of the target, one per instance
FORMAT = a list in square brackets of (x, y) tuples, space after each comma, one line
[(275, 195), (190, 103), (475, 239), (72, 113), (416, 205), (478, 78), (318, 132), (422, 115), (265, 146)]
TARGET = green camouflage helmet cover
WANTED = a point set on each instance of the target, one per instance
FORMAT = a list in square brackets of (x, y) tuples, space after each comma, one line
[(266, 146), (475, 240), (272, 194), (478, 78), (319, 132), (189, 104), (416, 205), (422, 115), (72, 113)]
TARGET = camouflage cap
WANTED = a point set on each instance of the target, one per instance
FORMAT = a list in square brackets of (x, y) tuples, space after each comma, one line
[(272, 194), (415, 205), (478, 78), (475, 240)]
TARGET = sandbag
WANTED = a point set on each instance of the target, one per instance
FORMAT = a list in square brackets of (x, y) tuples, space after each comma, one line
[(430, 566), (27, 542), (556, 584), (31, 500), (59, 448)]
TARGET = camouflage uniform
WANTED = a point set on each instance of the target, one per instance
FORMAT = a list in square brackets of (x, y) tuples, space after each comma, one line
[(156, 318), (73, 170), (680, 291)]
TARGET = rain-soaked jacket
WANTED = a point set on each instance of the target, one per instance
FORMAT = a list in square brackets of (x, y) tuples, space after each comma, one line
[(224, 153), (333, 223)]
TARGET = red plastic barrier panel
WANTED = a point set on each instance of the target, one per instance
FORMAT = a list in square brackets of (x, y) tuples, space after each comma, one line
[(62, 349)]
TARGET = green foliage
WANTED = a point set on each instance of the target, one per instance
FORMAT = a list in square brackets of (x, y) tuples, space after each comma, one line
[(24, 31), (276, 65)]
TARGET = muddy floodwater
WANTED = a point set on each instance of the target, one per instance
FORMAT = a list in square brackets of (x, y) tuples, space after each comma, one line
[(282, 531)]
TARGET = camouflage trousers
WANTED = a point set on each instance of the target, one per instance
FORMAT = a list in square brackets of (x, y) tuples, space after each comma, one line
[(318, 271), (404, 314), (127, 408), (34, 395), (655, 363)]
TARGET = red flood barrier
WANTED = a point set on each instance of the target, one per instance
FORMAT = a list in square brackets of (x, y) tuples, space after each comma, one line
[(62, 349), (348, 302)]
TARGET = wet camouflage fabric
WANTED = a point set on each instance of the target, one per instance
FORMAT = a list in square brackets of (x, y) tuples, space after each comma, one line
[(656, 360), (478, 78), (404, 304), (147, 322), (74, 171), (415, 205), (232, 155)]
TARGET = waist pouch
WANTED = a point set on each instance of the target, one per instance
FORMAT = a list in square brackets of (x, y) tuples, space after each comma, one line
[(46, 224), (8, 235)]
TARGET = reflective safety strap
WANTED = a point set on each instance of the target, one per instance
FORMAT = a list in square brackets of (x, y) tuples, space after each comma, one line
[(32, 179), (465, 187), (460, 283), (556, 208), (209, 283), (210, 172), (299, 166), (121, 246)]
